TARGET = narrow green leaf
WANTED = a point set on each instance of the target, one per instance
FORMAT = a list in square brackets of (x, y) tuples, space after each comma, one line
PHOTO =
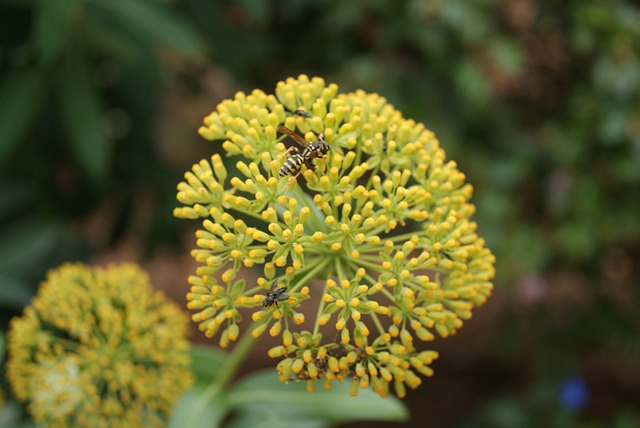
[(21, 99), (206, 361), (156, 22), (14, 294), (256, 10), (203, 406), (25, 243), (11, 415), (2, 346), (14, 197), (52, 26), (262, 393), (274, 421), (102, 37), (83, 119)]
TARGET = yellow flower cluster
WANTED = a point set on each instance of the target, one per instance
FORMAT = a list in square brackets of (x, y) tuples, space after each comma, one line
[(98, 347), (377, 227)]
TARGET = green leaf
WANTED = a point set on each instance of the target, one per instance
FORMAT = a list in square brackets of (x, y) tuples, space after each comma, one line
[(83, 118), (274, 421), (14, 294), (103, 38), (26, 243), (261, 393), (21, 98), (2, 346), (154, 21), (506, 56), (10, 415), (14, 197), (52, 26), (472, 83), (203, 406), (206, 361), (257, 10)]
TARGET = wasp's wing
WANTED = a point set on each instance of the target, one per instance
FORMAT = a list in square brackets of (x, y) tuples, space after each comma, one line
[(274, 285), (298, 139)]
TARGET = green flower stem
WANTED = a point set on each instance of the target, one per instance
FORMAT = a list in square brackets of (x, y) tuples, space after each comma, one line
[(247, 342), (370, 180), (310, 274), (373, 315), (384, 291), (322, 251), (369, 265), (67, 344), (404, 237), (377, 322), (340, 270), (234, 361), (381, 229), (247, 213), (316, 324)]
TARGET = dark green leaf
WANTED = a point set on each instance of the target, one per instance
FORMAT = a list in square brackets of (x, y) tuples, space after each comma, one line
[(83, 118), (155, 22), (256, 10), (206, 361), (26, 243), (14, 294), (261, 393), (102, 36), (21, 96), (506, 56), (52, 26), (2, 347), (10, 415), (14, 196), (202, 406), (472, 82), (274, 421)]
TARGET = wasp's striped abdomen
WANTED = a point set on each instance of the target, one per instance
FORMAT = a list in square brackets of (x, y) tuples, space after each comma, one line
[(292, 165)]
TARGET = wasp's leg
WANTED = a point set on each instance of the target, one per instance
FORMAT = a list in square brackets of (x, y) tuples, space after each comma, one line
[(310, 165), (291, 151)]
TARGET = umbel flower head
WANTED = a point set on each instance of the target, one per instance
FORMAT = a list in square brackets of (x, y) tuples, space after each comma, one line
[(373, 238), (99, 348)]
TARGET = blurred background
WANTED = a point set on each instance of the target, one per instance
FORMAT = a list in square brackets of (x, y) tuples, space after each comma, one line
[(537, 101)]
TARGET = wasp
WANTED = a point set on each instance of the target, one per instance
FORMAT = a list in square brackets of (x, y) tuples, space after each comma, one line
[(275, 295), (293, 164)]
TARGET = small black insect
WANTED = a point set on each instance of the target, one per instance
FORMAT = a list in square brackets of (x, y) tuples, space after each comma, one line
[(293, 164), (301, 113), (275, 295)]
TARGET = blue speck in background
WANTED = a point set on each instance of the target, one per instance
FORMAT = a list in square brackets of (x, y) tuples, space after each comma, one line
[(573, 393)]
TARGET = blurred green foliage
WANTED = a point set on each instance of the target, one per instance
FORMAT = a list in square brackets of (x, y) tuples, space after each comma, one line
[(80, 83), (538, 102), (259, 399)]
